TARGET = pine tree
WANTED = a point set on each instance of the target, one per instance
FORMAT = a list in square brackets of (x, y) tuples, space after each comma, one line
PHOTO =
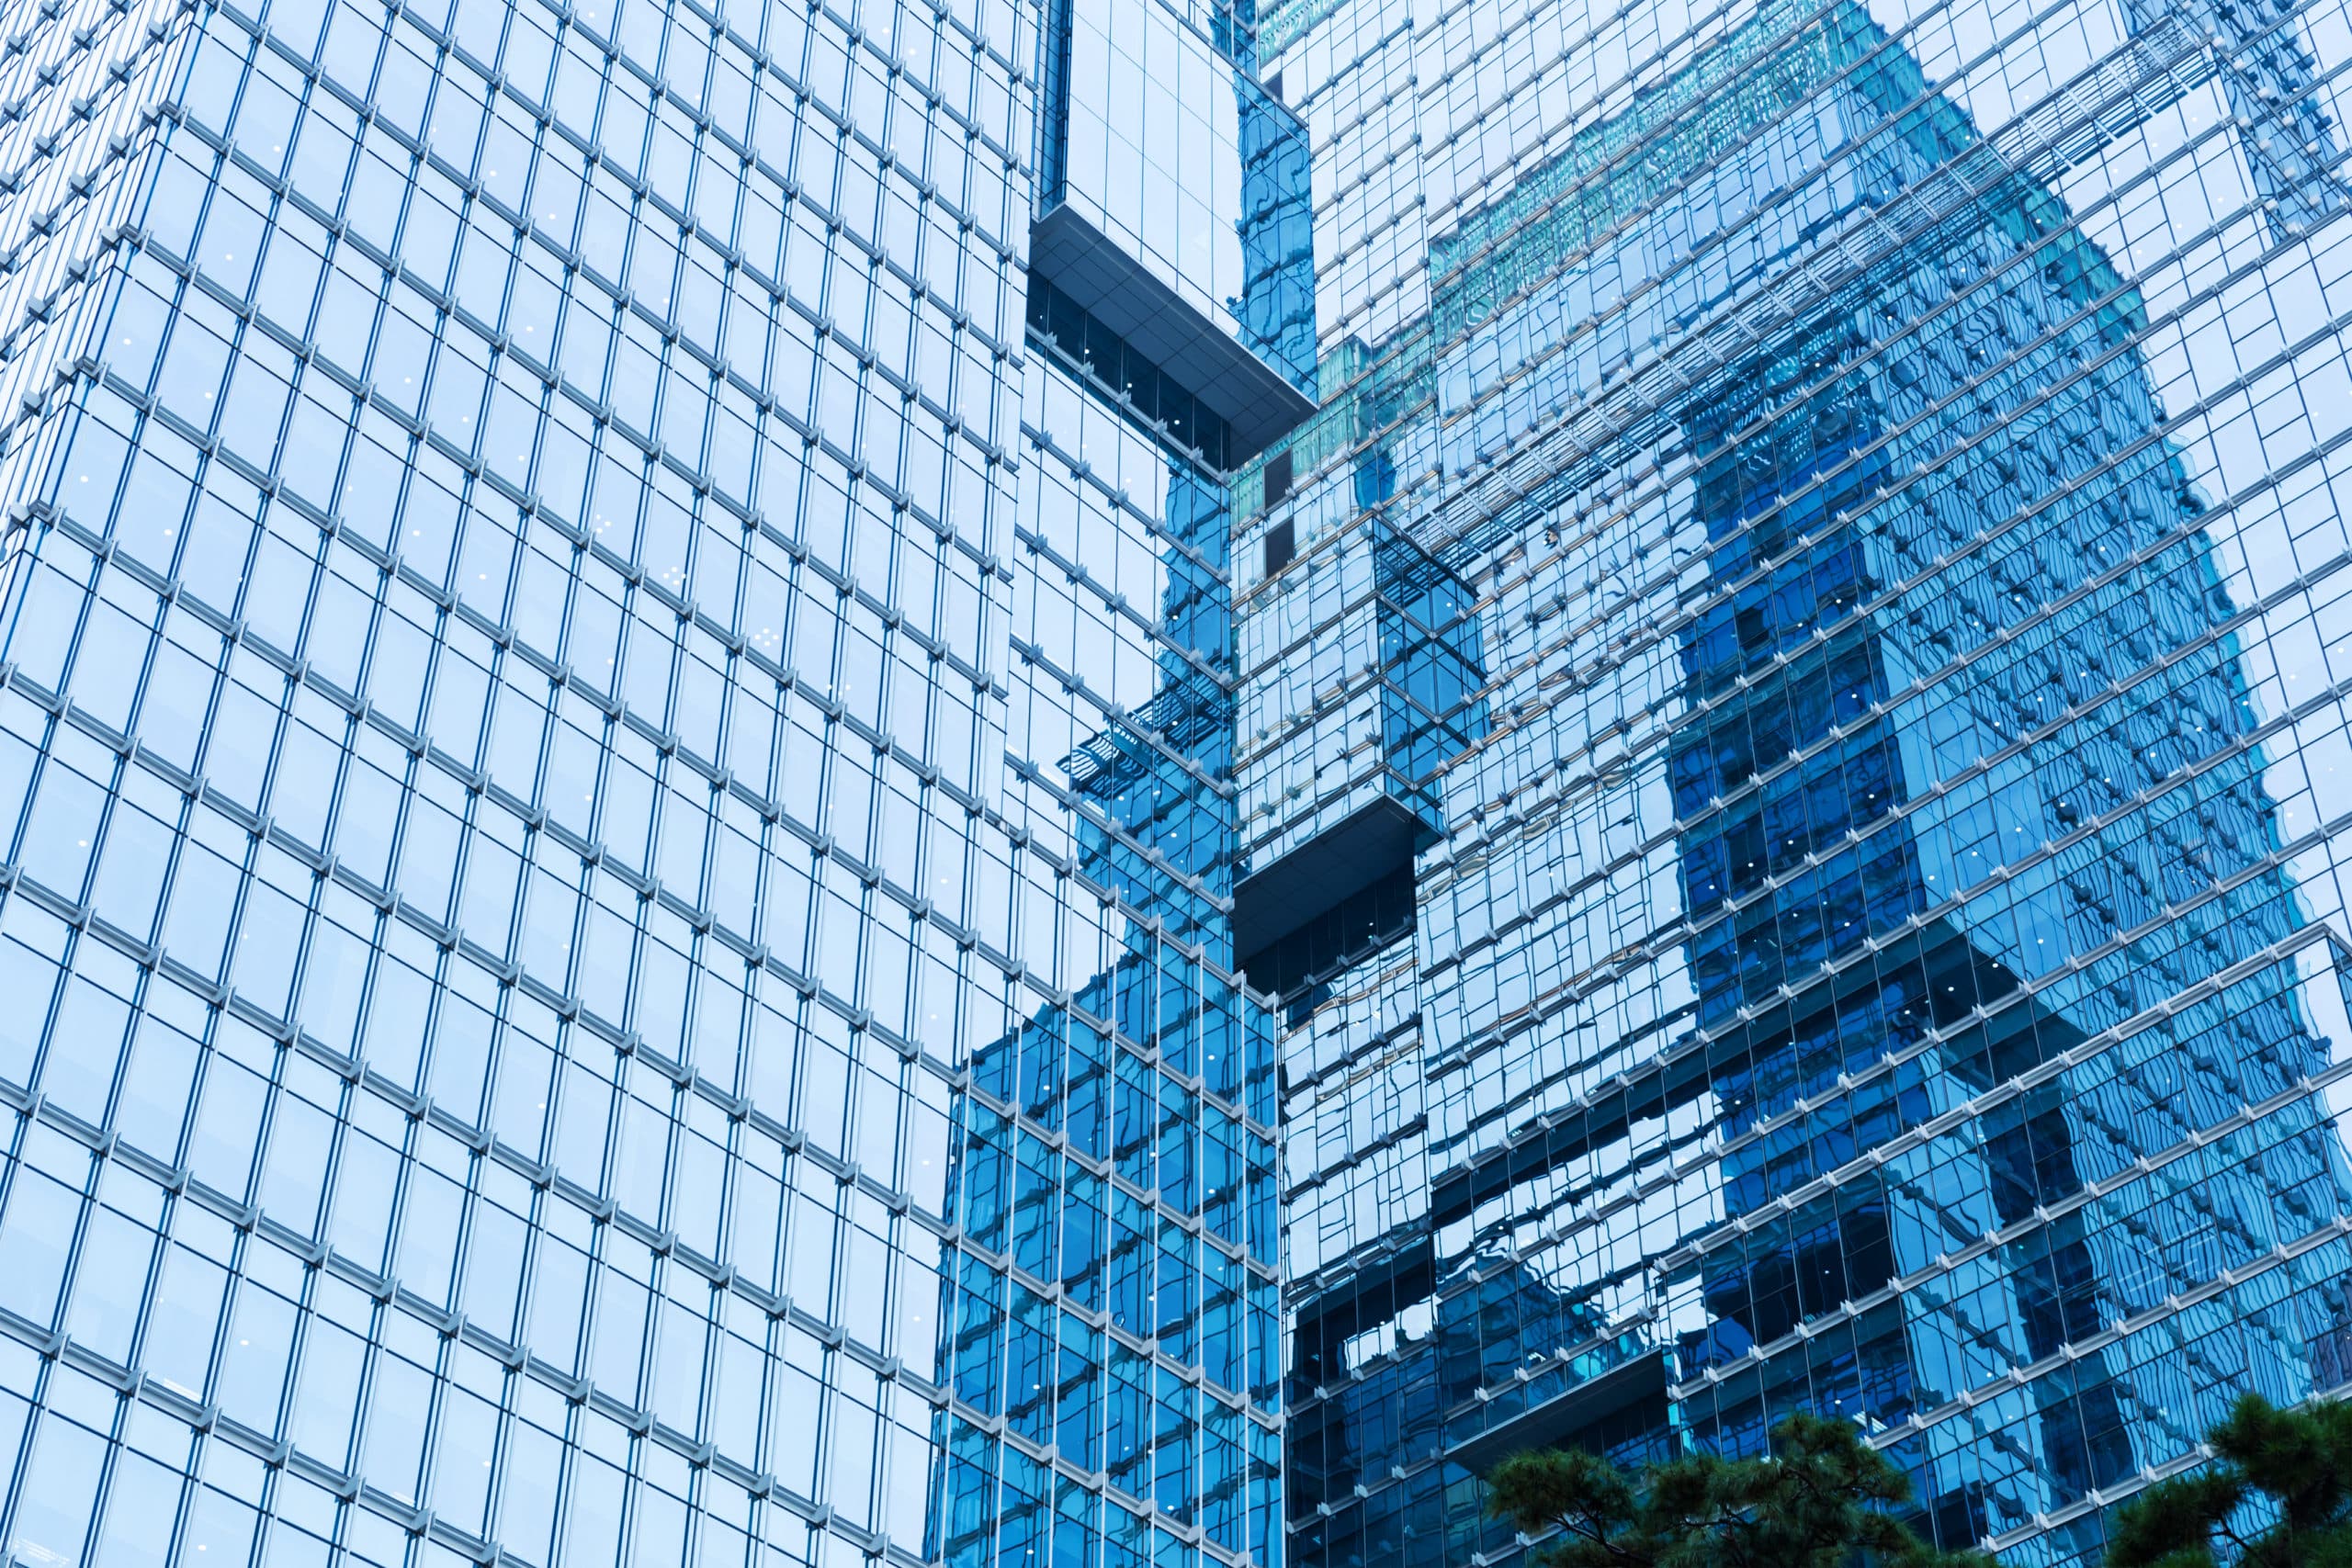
[(1822, 1497), (2278, 1495)]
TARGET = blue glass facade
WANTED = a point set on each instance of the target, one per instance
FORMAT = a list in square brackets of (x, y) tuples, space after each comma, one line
[(615, 835), (1108, 782), (1871, 940)]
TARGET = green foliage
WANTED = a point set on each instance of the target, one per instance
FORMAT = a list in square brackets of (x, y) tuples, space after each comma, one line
[(1822, 1500), (2278, 1495)]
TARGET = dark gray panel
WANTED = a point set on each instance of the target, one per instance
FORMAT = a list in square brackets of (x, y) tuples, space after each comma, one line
[(1365, 846), (1248, 394)]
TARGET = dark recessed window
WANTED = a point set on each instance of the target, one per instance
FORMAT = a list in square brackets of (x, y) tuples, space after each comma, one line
[(1282, 544), (1277, 476)]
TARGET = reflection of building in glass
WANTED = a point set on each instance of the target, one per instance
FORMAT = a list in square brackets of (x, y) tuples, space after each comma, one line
[(766, 772), (1372, 1388), (1131, 1190), (1958, 727), (1850, 962)]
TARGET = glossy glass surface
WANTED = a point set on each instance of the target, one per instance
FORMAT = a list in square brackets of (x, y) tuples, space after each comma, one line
[(1886, 953)]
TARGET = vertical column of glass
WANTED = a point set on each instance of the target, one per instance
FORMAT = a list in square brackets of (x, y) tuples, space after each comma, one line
[(1113, 1314), (1809, 470)]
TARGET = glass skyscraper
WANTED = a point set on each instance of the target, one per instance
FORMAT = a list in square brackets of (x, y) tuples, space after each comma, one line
[(1870, 940), (1104, 784)]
